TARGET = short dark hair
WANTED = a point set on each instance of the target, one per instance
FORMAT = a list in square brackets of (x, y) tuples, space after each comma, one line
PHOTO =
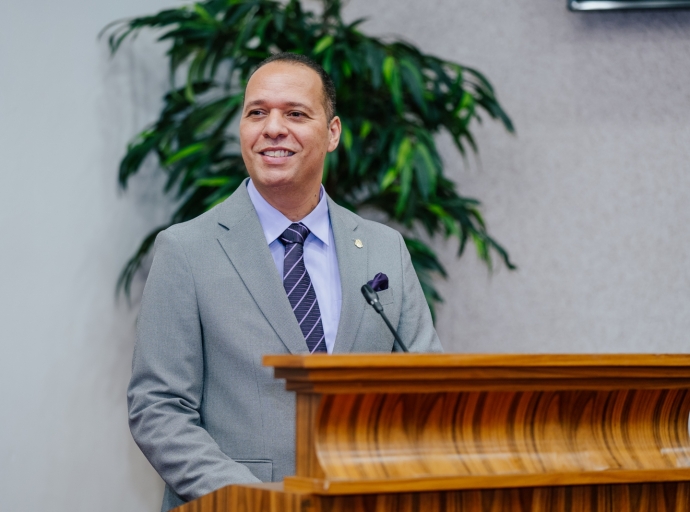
[(326, 81)]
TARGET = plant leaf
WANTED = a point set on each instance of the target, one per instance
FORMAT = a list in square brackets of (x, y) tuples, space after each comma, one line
[(322, 44)]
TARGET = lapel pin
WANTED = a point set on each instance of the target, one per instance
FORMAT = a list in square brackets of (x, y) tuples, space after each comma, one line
[(359, 244)]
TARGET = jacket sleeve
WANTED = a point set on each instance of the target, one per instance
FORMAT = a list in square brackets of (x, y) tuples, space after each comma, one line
[(165, 392), (416, 328)]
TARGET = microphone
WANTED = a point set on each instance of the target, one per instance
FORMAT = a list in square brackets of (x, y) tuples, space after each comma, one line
[(373, 299)]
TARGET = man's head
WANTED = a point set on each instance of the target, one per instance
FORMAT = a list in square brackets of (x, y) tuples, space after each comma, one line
[(287, 125), (327, 85)]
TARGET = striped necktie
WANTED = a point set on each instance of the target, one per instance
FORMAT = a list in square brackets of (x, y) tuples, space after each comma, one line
[(299, 289)]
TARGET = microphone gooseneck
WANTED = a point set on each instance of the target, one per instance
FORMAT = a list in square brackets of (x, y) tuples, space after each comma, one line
[(373, 299)]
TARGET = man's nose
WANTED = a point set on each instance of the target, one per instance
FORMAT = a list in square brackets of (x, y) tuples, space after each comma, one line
[(275, 126)]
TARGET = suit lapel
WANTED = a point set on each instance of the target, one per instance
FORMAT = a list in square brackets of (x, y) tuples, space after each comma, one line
[(352, 263), (245, 245)]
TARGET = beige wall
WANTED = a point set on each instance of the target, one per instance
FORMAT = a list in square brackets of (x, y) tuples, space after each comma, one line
[(66, 112), (591, 196)]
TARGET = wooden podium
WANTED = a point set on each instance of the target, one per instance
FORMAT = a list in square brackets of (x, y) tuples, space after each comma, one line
[(480, 433)]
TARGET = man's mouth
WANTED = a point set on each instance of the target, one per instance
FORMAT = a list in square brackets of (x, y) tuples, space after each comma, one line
[(277, 153)]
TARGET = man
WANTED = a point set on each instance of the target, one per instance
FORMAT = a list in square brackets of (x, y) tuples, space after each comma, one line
[(276, 268)]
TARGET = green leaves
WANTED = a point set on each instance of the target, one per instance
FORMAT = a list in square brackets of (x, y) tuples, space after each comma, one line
[(392, 100), (425, 171), (322, 44), (184, 152), (414, 82), (391, 74)]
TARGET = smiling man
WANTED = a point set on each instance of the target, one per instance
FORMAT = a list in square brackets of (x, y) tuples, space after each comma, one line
[(276, 268), (287, 128)]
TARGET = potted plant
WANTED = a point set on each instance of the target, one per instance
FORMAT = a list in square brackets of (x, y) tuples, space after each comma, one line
[(391, 97)]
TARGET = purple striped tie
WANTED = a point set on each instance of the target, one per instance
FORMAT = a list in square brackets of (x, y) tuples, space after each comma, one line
[(299, 289)]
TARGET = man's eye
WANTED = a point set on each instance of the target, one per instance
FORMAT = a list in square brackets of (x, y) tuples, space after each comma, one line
[(296, 114), (255, 112)]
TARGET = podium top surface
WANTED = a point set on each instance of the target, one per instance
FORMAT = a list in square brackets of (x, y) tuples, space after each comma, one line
[(324, 361), (418, 373)]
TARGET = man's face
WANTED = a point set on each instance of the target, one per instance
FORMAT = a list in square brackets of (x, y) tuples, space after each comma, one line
[(284, 132)]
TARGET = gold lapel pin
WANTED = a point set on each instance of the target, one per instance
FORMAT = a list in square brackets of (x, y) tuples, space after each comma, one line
[(359, 244)]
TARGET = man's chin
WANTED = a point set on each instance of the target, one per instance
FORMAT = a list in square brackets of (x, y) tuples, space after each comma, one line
[(274, 178)]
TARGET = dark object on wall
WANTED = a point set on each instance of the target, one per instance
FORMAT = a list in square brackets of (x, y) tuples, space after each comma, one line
[(392, 99), (613, 5)]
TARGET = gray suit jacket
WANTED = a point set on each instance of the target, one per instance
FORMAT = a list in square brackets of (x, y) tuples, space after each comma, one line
[(202, 408)]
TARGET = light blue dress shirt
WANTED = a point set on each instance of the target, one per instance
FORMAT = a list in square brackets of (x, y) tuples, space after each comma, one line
[(319, 255)]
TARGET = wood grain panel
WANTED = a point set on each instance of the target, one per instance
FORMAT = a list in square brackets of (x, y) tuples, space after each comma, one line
[(609, 498), (250, 498), (667, 497), (306, 463), (381, 437)]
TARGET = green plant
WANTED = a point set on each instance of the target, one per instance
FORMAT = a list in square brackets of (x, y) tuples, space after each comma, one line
[(392, 100)]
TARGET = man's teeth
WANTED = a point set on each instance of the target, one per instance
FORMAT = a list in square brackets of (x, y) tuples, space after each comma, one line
[(279, 153)]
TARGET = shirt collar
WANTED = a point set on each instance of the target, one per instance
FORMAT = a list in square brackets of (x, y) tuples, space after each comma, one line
[(274, 222)]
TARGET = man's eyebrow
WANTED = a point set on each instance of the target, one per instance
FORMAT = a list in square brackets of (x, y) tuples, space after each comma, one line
[(255, 103), (297, 104), (293, 104)]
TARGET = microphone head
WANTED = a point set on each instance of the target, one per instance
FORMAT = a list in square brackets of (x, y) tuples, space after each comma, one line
[(372, 297), (369, 294)]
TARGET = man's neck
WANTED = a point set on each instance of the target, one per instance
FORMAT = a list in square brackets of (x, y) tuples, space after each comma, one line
[(294, 204)]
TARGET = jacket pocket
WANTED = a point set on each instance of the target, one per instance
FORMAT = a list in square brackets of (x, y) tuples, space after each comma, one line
[(385, 296), (260, 468)]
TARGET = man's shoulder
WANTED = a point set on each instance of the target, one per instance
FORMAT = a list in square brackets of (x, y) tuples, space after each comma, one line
[(214, 221), (191, 230)]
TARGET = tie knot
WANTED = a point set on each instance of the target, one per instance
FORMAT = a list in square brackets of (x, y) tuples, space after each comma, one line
[(296, 233)]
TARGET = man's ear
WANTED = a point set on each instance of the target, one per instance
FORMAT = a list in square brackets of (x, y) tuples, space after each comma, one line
[(334, 130)]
